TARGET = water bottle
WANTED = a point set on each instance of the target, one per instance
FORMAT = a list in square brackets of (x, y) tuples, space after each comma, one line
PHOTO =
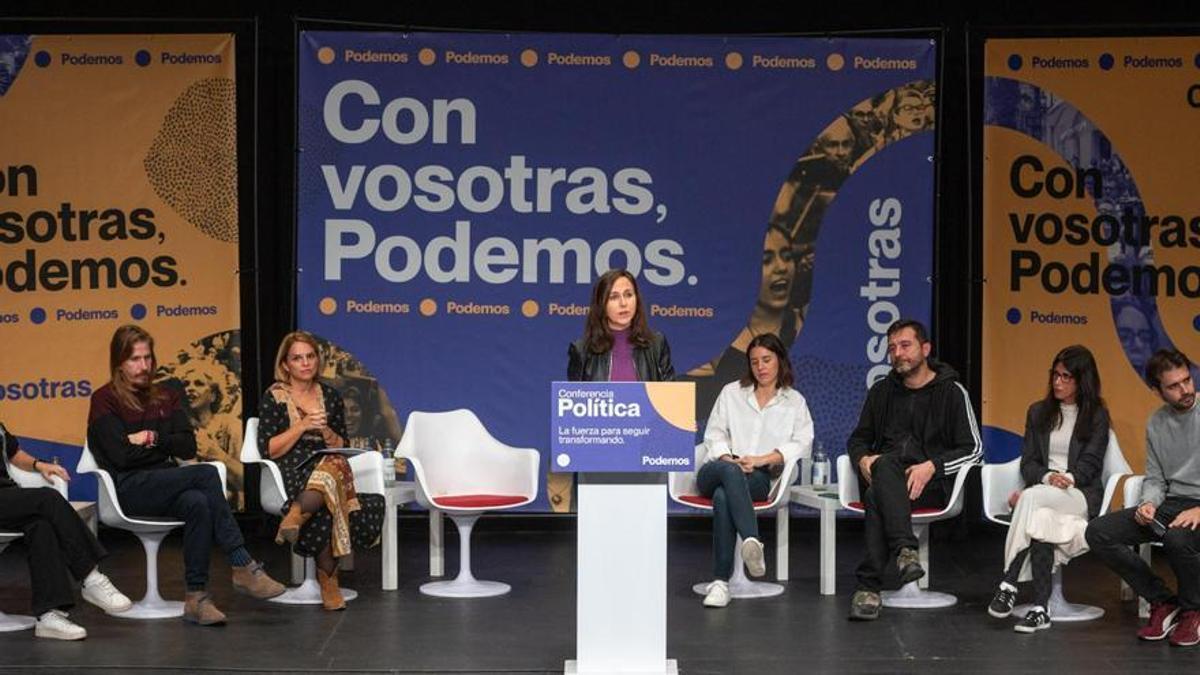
[(389, 462), (820, 465)]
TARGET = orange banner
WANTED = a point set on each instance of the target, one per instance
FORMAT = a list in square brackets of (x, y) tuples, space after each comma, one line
[(1091, 222), (118, 204)]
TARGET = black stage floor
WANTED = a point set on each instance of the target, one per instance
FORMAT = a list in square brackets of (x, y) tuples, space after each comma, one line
[(532, 630)]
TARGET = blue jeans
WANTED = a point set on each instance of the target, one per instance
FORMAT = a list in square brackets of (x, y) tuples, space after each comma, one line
[(733, 494), (193, 494)]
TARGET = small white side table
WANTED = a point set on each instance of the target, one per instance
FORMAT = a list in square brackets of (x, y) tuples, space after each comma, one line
[(823, 498)]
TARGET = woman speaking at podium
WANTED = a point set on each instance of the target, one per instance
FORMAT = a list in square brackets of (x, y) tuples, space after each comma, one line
[(617, 343), (617, 346)]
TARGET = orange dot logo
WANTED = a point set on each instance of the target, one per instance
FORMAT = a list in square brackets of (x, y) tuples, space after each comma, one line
[(429, 307), (327, 306), (326, 55), (835, 62), (529, 58), (530, 308), (733, 61), (631, 59), (427, 56)]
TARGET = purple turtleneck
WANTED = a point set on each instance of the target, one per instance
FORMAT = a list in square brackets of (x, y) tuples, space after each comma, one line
[(622, 369)]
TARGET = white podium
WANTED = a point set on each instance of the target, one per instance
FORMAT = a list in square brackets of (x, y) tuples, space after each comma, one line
[(621, 438), (621, 611)]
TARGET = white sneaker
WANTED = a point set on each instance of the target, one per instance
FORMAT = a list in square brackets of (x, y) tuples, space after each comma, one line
[(718, 594), (752, 554), (56, 626), (100, 591)]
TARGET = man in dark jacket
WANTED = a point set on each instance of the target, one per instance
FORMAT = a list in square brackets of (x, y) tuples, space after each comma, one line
[(915, 433)]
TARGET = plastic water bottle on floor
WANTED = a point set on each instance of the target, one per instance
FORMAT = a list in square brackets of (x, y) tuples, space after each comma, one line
[(820, 465)]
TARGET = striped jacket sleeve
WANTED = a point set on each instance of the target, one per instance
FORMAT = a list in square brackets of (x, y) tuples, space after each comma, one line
[(964, 447)]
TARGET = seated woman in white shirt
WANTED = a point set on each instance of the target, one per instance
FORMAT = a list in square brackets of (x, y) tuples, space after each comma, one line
[(758, 426)]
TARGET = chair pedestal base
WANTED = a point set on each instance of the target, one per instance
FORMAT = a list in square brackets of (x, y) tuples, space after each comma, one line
[(308, 593), (152, 608), (14, 622), (1058, 608), (911, 596), (465, 588), (1063, 611), (465, 585)]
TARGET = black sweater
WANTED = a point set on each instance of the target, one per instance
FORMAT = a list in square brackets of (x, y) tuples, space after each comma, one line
[(110, 424)]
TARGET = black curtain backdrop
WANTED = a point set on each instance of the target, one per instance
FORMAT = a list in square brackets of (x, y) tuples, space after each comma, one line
[(266, 70)]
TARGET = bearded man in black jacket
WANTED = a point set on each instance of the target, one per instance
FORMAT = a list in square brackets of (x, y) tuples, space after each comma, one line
[(915, 433)]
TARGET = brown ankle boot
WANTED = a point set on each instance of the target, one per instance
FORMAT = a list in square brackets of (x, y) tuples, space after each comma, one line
[(331, 593), (254, 581), (289, 529), (198, 608)]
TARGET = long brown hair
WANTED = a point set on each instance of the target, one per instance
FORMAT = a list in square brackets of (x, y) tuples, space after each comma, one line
[(281, 374), (596, 332), (119, 351)]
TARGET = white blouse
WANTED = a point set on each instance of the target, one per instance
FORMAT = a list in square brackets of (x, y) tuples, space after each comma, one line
[(737, 425)]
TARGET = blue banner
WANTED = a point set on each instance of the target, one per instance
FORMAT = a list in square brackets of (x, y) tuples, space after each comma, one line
[(458, 195)]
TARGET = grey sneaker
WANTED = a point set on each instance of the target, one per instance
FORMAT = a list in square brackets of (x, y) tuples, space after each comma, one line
[(865, 605), (752, 554), (908, 561)]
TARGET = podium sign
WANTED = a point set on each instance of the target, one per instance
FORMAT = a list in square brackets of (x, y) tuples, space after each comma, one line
[(622, 426)]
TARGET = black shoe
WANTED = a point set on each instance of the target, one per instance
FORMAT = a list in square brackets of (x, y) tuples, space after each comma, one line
[(865, 605), (1037, 619), (1002, 603), (908, 561)]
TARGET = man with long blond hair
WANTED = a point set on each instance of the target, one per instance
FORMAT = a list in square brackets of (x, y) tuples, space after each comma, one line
[(137, 430)]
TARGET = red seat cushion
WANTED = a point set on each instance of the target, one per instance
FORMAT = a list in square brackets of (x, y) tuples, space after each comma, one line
[(916, 512), (477, 501), (697, 500)]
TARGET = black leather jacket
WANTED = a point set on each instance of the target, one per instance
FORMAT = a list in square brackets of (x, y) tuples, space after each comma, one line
[(653, 363)]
